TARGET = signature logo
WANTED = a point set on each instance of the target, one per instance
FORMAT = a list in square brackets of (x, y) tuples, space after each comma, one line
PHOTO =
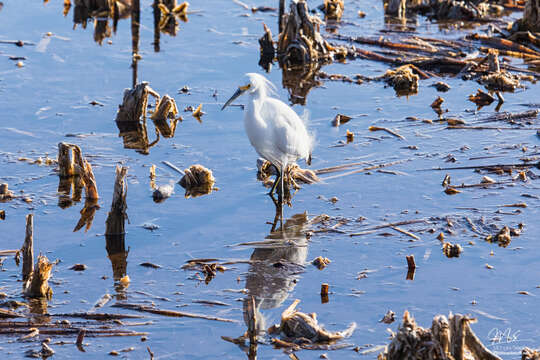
[(505, 336)]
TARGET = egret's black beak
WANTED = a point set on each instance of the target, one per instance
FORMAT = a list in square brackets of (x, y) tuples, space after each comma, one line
[(240, 91)]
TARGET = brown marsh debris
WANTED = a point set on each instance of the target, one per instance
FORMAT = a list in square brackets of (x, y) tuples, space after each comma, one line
[(531, 17), (72, 163), (451, 250), (397, 8), (458, 10), (391, 132), (198, 113), (166, 109), (451, 190), (170, 11), (403, 79), (300, 42), (321, 262), (449, 338), (436, 106), (411, 267), (5, 193), (437, 103), (529, 354), (301, 328), (172, 313), (333, 9), (325, 288), (78, 267), (132, 113), (481, 98), (340, 119), (210, 271), (293, 174), (350, 136), (504, 236), (388, 318), (502, 80), (115, 223), (197, 181), (268, 52), (87, 214), (441, 86), (35, 277)]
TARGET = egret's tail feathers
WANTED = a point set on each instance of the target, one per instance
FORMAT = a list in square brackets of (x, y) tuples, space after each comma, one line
[(311, 144), (305, 117)]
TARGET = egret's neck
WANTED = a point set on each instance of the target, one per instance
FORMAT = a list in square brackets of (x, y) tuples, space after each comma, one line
[(255, 98), (257, 94)]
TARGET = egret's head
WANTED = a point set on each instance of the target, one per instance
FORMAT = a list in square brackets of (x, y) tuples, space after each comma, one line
[(255, 84)]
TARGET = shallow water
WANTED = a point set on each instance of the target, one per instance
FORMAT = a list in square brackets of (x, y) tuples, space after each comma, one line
[(49, 97)]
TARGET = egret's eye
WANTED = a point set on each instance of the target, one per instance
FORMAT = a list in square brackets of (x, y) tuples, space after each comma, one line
[(244, 88)]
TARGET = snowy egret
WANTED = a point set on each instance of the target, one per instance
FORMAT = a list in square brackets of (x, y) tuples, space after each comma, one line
[(275, 131)]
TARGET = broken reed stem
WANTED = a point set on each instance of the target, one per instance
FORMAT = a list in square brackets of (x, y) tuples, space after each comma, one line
[(373, 167), (90, 185), (411, 267), (37, 285), (392, 225), (391, 132), (65, 163), (72, 163), (80, 338), (410, 262), (405, 232), (98, 316), (251, 320), (8, 252), (27, 249), (465, 127), (486, 167), (172, 313), (150, 353), (338, 168), (73, 331), (115, 223), (84, 170), (175, 168), (7, 314)]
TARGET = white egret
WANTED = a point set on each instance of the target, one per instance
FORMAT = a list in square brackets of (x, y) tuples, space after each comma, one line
[(275, 131)]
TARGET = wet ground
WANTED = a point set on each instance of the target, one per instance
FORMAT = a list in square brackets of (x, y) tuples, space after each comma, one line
[(48, 101)]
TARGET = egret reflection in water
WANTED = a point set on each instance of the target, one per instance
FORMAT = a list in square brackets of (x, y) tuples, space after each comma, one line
[(275, 265)]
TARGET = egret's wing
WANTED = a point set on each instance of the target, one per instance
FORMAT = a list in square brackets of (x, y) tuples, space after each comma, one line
[(289, 132)]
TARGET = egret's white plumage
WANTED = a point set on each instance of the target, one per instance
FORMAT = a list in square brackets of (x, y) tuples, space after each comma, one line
[(276, 132)]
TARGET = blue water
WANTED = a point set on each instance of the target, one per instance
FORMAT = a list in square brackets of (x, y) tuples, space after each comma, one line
[(49, 98)]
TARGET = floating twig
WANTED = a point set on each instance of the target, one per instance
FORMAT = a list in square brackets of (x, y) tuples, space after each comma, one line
[(391, 132), (172, 313), (399, 223)]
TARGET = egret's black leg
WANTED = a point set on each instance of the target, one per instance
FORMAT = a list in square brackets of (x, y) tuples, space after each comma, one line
[(276, 182), (279, 214), (274, 186), (281, 181)]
